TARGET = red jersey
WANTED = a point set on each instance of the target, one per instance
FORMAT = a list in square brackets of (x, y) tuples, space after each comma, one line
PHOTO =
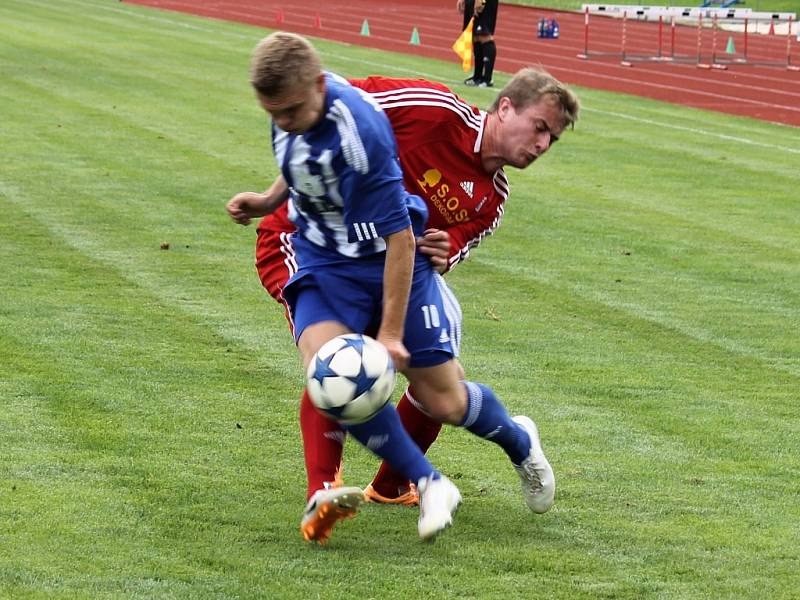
[(439, 137)]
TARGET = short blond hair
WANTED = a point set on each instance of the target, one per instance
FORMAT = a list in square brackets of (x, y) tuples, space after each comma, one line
[(283, 61), (529, 85)]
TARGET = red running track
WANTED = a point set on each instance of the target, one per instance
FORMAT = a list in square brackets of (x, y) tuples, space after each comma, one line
[(770, 93)]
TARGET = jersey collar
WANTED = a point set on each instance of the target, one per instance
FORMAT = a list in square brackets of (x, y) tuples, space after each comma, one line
[(477, 148)]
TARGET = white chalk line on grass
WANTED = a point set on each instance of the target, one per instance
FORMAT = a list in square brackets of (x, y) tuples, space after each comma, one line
[(383, 67), (721, 136)]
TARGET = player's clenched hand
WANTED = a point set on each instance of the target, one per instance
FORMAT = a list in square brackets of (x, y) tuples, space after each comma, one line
[(245, 206), (435, 244), (397, 351)]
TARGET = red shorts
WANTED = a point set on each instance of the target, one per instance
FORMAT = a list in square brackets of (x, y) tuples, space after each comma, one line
[(275, 262)]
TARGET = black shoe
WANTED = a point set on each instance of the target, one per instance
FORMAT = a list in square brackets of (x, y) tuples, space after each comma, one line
[(472, 82), (485, 84)]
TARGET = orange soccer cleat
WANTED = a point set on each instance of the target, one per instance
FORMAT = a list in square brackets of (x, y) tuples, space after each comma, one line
[(325, 508), (409, 498)]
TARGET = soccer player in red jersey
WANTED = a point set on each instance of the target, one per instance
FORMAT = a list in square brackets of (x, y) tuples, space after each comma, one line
[(452, 155)]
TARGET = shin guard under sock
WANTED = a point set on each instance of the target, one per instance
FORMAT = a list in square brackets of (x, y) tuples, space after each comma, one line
[(422, 429), (487, 418), (323, 442), (384, 435)]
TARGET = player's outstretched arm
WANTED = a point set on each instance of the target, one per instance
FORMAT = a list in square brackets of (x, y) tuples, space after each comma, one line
[(397, 276), (250, 205)]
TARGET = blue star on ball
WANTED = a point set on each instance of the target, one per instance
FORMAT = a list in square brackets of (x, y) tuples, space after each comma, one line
[(362, 381), (322, 368)]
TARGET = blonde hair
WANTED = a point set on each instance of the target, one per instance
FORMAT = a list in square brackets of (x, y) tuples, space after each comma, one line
[(283, 61), (529, 85)]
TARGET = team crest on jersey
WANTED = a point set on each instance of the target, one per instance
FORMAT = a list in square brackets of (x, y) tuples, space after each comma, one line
[(468, 186), (307, 183), (430, 178)]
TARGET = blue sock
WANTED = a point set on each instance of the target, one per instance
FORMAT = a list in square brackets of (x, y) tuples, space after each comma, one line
[(384, 435), (488, 418)]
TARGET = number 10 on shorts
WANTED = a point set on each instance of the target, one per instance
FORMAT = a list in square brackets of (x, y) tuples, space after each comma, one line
[(431, 315)]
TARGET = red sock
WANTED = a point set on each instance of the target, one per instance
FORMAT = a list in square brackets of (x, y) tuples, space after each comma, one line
[(323, 442), (422, 429)]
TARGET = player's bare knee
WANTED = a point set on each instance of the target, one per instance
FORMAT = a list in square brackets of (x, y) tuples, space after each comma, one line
[(462, 375), (444, 404), (447, 410), (314, 336), (440, 391)]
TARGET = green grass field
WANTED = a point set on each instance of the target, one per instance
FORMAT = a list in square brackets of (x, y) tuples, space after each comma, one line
[(641, 301)]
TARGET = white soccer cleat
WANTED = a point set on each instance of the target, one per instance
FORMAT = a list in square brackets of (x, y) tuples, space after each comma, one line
[(438, 501), (325, 508), (535, 473)]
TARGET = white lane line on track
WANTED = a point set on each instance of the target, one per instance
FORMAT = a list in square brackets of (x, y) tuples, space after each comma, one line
[(677, 89)]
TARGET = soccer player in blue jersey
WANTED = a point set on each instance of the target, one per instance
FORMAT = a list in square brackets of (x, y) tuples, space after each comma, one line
[(357, 270), (356, 247)]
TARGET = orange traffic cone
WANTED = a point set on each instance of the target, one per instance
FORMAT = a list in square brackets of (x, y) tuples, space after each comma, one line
[(771, 28)]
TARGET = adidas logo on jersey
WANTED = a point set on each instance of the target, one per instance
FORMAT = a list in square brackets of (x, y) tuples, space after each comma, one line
[(467, 186), (365, 231), (444, 337)]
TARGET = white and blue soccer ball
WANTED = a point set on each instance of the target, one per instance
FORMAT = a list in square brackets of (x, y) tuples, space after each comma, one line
[(351, 378)]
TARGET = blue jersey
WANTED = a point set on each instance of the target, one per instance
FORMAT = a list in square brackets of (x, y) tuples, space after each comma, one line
[(345, 182)]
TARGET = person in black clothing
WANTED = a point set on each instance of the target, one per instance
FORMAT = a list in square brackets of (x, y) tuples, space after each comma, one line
[(485, 13)]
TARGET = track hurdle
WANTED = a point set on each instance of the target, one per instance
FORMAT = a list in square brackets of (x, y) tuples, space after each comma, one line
[(672, 33), (700, 63), (789, 38), (624, 62), (585, 54), (714, 29), (707, 38)]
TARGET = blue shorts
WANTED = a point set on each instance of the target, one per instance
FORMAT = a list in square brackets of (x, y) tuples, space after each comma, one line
[(352, 294)]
